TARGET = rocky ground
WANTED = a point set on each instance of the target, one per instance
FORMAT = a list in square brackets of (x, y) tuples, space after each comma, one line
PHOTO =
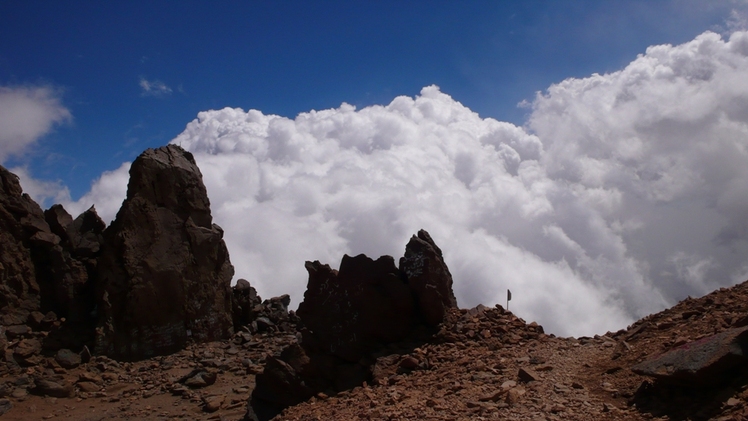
[(209, 381), (493, 366), (484, 363)]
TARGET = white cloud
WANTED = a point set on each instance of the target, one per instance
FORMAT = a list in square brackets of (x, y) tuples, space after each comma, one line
[(624, 193), (153, 88), (26, 114), (44, 192), (106, 194), (669, 135), (346, 181)]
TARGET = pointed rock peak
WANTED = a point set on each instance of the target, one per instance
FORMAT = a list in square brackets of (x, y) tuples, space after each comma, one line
[(428, 277), (89, 221), (424, 236), (59, 220)]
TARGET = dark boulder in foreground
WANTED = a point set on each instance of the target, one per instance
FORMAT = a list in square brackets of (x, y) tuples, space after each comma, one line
[(703, 363), (350, 314), (164, 274)]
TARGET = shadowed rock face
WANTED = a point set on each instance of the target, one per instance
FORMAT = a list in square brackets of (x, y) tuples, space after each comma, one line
[(350, 314), (367, 303), (428, 277), (47, 263), (347, 313), (71, 265), (22, 227), (164, 274)]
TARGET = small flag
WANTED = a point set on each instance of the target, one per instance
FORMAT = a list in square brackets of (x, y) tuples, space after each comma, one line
[(508, 295)]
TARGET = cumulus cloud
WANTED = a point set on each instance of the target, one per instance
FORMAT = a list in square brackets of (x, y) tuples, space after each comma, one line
[(106, 193), (44, 192), (26, 114), (666, 139), (153, 88), (622, 194)]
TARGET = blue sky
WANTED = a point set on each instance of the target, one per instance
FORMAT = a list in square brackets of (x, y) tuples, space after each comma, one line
[(289, 57), (617, 188)]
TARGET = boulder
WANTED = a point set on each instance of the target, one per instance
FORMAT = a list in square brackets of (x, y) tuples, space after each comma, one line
[(5, 406), (164, 273), (67, 358), (702, 363), (282, 383), (55, 387), (27, 352), (428, 277)]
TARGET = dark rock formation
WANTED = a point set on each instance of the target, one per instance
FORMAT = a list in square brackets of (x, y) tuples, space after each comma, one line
[(48, 263), (22, 227), (66, 271), (347, 316), (428, 277), (348, 313), (703, 363), (164, 272), (244, 298), (280, 382), (252, 316), (71, 264)]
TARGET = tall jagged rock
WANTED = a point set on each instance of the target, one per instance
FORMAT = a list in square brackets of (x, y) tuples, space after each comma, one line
[(22, 229), (428, 277), (350, 314), (164, 273)]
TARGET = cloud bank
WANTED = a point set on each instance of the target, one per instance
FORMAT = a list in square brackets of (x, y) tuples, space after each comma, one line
[(26, 114), (622, 194)]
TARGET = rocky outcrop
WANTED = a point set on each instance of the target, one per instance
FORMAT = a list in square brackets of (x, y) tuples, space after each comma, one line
[(350, 314), (22, 227), (47, 265), (428, 278), (71, 264), (164, 273), (244, 299), (252, 316)]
